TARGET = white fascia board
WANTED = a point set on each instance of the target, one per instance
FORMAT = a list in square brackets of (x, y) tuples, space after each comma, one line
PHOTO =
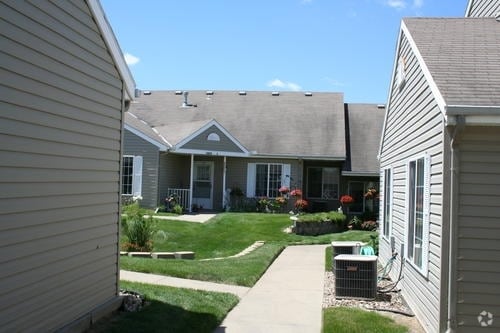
[(160, 146), (473, 110), (113, 46), (388, 104), (209, 152), (427, 74), (469, 8), (479, 120)]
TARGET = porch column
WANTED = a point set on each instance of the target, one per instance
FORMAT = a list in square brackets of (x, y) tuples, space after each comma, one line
[(191, 184), (224, 193)]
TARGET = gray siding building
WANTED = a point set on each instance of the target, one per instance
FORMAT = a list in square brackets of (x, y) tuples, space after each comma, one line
[(63, 95), (212, 142), (440, 172)]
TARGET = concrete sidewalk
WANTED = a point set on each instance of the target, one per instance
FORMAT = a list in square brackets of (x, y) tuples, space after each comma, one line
[(182, 283), (287, 299)]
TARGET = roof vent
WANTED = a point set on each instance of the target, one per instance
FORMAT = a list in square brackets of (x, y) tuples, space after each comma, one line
[(146, 92), (242, 93), (209, 92), (381, 106), (137, 93), (308, 94), (275, 93), (178, 92)]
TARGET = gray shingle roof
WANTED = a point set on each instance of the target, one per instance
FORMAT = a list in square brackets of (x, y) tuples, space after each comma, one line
[(290, 124), (365, 129), (462, 55)]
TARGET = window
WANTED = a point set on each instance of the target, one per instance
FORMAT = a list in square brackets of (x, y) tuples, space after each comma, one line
[(418, 212), (322, 183), (265, 179), (387, 178), (362, 202), (132, 175)]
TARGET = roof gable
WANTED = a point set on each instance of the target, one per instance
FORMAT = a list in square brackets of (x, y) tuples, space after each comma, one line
[(211, 139)]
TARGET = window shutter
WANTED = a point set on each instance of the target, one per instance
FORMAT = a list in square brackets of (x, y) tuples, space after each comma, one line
[(137, 176), (286, 175), (407, 205), (382, 197), (427, 213), (251, 169)]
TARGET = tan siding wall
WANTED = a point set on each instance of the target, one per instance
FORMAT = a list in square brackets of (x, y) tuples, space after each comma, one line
[(414, 127), (478, 262), (60, 132), (484, 8)]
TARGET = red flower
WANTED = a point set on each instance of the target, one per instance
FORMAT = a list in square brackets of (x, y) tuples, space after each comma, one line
[(284, 189), (296, 193), (346, 199), (301, 204)]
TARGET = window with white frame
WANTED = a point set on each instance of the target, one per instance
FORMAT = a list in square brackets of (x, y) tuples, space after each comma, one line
[(322, 183), (387, 179), (418, 212), (132, 175), (265, 179)]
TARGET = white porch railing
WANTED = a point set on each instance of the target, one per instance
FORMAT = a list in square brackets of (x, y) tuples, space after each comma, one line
[(183, 196)]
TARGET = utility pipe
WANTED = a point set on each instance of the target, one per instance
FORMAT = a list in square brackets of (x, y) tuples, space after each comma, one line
[(452, 262)]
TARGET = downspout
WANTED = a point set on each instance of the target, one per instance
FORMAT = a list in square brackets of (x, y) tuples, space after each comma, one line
[(454, 185), (224, 194), (191, 176)]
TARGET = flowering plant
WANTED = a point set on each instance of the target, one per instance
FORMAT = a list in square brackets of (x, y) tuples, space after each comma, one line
[(296, 193), (301, 204), (346, 200), (284, 190), (280, 201), (371, 193)]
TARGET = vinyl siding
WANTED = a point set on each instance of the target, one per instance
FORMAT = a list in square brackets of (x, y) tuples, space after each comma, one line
[(200, 142), (414, 126), (478, 262), (60, 134), (484, 8), (134, 145)]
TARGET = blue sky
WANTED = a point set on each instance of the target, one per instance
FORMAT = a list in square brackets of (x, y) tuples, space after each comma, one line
[(286, 45)]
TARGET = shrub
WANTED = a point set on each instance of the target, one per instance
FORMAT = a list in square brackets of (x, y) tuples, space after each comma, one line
[(138, 229), (333, 216), (177, 209)]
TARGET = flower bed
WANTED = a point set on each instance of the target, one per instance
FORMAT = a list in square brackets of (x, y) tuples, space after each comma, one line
[(320, 223)]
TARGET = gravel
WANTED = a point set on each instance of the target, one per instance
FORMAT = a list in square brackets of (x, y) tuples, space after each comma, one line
[(390, 304)]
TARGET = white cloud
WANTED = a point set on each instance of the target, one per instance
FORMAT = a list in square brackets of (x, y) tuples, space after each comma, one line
[(398, 4), (130, 59), (418, 3), (277, 83)]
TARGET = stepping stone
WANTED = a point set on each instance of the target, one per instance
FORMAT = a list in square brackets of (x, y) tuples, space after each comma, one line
[(184, 255), (163, 255), (140, 254)]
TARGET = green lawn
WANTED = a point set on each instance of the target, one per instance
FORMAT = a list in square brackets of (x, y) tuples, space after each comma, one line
[(171, 310), (225, 235), (353, 320)]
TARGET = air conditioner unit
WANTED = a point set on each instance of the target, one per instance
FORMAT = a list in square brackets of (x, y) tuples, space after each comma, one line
[(355, 276), (345, 247)]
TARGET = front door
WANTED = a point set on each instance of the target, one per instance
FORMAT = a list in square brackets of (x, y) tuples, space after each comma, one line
[(203, 184)]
